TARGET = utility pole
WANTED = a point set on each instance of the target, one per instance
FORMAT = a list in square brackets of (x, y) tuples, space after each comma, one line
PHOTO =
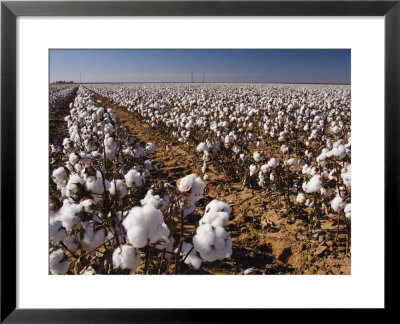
[(204, 77), (191, 72)]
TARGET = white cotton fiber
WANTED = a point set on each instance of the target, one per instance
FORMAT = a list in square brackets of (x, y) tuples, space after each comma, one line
[(273, 162), (88, 205), (134, 178), (73, 158), (338, 204), (91, 239), (257, 156), (59, 175), (192, 259), (110, 148), (126, 257), (300, 198), (57, 232), (193, 185), (189, 209), (73, 185), (69, 214), (143, 225), (117, 188), (253, 169), (71, 242), (212, 243), (265, 168), (346, 176), (151, 199), (58, 263), (94, 185), (201, 147), (89, 272), (218, 206), (150, 148), (314, 185), (347, 210), (215, 218), (147, 165)]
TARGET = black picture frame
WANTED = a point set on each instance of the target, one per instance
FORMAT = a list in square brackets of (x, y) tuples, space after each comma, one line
[(10, 10)]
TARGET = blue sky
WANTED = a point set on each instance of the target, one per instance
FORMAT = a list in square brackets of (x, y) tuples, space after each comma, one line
[(247, 65)]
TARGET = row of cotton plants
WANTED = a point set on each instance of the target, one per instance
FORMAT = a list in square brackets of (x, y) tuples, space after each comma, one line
[(293, 141), (105, 216), (58, 93)]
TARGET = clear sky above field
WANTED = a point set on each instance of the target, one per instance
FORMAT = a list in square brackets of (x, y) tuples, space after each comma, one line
[(297, 66)]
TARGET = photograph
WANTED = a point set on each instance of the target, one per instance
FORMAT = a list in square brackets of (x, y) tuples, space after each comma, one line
[(199, 161)]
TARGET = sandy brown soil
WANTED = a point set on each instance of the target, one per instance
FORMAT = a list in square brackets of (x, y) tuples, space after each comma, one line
[(262, 238)]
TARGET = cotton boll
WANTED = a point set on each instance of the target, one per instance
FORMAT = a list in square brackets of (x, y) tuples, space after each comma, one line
[(253, 169), (58, 263), (257, 156), (189, 209), (346, 176), (59, 175), (89, 272), (164, 202), (338, 204), (71, 242), (201, 147), (273, 162), (117, 188), (137, 236), (69, 215), (134, 178), (69, 167), (192, 185), (265, 168), (78, 167), (150, 148), (347, 210), (144, 224), (300, 198), (215, 219), (314, 185), (126, 257), (204, 238), (212, 243), (88, 205), (218, 206), (92, 240), (57, 232), (147, 165), (94, 185), (155, 200), (110, 147), (192, 259), (85, 159), (73, 158), (73, 185), (292, 163)]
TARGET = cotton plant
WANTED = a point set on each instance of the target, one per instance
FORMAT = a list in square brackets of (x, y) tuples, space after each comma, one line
[(90, 188)]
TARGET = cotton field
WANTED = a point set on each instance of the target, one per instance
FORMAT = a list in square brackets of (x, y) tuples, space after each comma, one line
[(200, 178)]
